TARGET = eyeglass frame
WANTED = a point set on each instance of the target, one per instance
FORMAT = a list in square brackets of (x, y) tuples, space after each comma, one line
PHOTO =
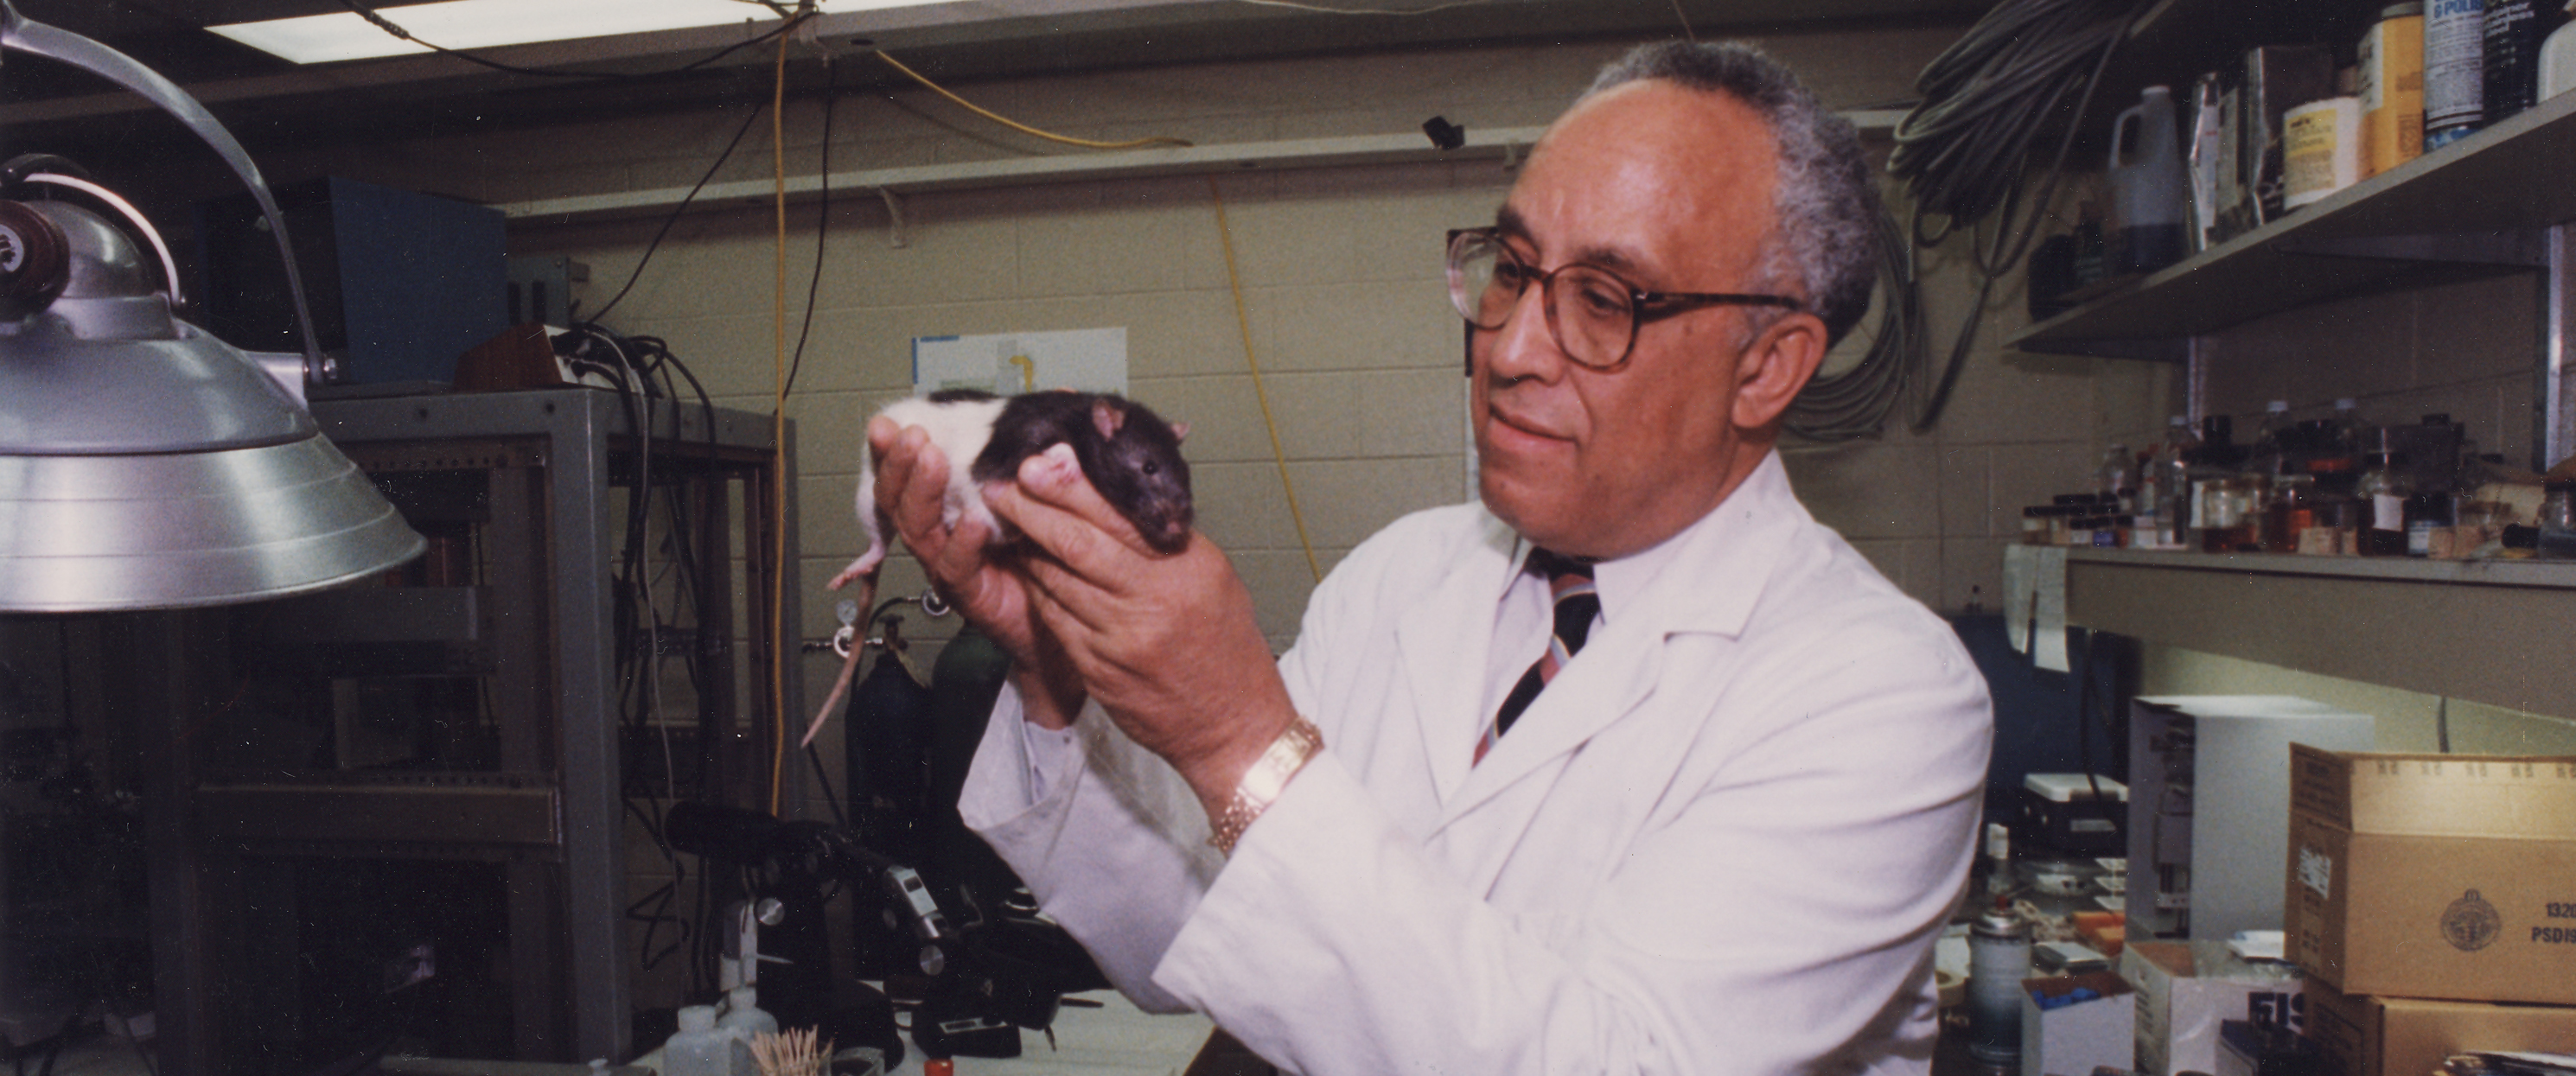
[(1643, 306)]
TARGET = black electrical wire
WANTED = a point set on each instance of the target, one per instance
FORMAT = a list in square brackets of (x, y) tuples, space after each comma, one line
[(676, 211), (1855, 403), (824, 781), (369, 13), (822, 226), (1963, 151)]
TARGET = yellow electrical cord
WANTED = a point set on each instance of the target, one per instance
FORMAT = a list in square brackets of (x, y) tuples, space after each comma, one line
[(1021, 127), (1225, 236)]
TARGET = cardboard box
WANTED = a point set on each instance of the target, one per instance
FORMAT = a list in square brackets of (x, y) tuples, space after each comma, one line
[(2434, 876), (2185, 989), (2074, 1039), (2382, 1036)]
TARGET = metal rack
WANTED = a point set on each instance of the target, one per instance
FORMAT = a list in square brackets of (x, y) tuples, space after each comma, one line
[(473, 706)]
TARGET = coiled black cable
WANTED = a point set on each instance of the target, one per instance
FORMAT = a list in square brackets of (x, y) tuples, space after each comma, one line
[(1963, 152), (1855, 403)]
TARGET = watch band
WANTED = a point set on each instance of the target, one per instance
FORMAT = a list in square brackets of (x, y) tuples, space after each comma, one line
[(1262, 784)]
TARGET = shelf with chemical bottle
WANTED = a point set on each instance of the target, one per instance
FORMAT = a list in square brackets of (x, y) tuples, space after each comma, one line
[(2491, 202), (2461, 629)]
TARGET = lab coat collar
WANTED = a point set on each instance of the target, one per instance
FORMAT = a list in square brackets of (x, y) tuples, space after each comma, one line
[(1707, 579)]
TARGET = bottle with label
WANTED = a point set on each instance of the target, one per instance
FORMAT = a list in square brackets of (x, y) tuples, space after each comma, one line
[(2558, 520), (2510, 52), (2392, 89), (2429, 517), (2383, 491), (2454, 70), (2172, 476), (2290, 512), (2116, 480)]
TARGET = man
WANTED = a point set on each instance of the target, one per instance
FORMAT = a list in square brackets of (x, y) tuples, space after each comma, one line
[(1721, 838)]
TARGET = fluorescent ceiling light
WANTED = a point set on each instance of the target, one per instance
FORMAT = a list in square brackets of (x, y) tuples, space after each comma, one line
[(482, 24)]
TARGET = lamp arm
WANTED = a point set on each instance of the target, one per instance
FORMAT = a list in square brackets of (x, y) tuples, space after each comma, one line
[(27, 35)]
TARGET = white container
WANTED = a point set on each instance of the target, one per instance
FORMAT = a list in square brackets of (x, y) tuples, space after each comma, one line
[(698, 1049), (2320, 149), (743, 1020), (2148, 185), (2558, 59)]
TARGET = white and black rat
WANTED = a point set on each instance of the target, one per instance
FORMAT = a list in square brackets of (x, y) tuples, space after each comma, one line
[(1129, 453)]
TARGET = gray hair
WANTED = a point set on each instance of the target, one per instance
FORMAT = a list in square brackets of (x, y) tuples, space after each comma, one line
[(1824, 234)]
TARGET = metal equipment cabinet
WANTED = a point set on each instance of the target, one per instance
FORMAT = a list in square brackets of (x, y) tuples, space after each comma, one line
[(473, 708)]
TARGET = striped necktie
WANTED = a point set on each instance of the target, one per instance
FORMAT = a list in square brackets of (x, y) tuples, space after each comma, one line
[(1577, 603)]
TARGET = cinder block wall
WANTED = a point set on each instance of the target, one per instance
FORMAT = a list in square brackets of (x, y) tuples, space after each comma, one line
[(1340, 276), (1340, 281)]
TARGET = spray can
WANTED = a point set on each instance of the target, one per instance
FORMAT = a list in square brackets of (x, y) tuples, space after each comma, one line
[(2454, 70), (1998, 960)]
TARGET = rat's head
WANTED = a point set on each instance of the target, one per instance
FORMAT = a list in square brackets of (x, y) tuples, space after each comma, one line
[(1144, 474)]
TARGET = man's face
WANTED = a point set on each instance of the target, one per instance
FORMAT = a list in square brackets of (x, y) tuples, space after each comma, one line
[(1670, 189)]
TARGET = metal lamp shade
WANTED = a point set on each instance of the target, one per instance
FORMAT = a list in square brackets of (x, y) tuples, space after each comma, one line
[(145, 464)]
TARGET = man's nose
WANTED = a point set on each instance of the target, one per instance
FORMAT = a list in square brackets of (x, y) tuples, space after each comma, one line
[(1524, 346)]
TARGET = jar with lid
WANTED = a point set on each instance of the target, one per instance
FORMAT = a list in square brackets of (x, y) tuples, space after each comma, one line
[(2558, 520), (2289, 512), (2383, 491), (2231, 514)]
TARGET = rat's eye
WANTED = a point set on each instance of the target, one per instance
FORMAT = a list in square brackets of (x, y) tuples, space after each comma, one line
[(1153, 468)]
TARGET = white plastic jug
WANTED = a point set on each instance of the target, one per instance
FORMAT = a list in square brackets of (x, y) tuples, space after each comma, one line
[(698, 1049), (2148, 186)]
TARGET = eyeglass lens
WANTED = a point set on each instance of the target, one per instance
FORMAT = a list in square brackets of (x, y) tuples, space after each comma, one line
[(1588, 310)]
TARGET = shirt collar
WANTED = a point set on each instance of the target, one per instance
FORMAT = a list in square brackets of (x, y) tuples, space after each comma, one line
[(1624, 583)]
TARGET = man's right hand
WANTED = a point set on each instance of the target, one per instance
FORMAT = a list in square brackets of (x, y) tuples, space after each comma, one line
[(912, 481)]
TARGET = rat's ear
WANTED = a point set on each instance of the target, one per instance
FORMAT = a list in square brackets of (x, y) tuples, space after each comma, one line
[(1108, 417), (1180, 431)]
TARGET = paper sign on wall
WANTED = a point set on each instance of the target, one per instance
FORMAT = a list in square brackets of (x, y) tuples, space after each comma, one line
[(1006, 364)]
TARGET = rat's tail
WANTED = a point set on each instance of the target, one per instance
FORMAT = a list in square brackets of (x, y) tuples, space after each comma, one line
[(849, 665)]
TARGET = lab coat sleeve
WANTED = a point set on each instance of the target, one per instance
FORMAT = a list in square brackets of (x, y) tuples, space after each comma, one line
[(1107, 837), (1774, 917)]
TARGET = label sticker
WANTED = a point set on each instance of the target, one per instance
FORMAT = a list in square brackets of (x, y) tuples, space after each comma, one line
[(2316, 871)]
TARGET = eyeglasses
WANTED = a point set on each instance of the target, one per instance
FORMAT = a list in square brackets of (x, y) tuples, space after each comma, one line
[(1592, 313)]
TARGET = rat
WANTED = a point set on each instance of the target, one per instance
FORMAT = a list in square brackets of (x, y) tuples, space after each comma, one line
[(1127, 452)]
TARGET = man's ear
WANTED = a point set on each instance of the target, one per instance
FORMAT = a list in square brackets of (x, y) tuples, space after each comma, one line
[(1783, 356)]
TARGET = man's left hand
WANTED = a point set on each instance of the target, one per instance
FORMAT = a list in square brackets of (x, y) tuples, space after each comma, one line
[(1166, 643)]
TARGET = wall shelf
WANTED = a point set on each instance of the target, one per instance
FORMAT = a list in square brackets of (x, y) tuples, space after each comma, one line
[(2477, 205), (2460, 629)]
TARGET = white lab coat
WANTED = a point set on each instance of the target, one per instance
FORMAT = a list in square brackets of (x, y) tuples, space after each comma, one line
[(1721, 841)]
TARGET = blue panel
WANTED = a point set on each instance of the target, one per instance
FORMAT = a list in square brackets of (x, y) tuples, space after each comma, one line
[(423, 279)]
